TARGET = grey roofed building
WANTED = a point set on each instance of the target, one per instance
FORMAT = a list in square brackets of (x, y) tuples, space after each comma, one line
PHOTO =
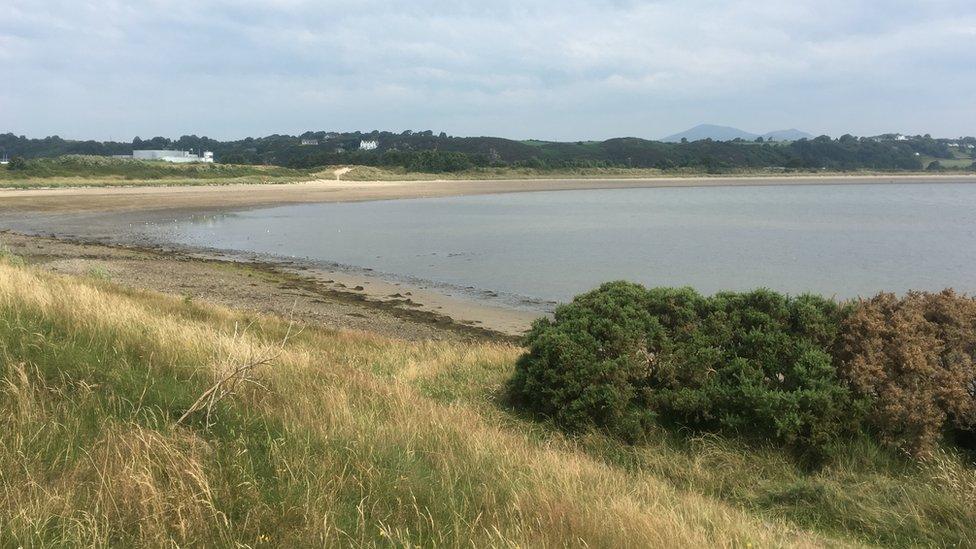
[(170, 156)]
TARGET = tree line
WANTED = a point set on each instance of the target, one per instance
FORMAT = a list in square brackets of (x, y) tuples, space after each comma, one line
[(429, 152)]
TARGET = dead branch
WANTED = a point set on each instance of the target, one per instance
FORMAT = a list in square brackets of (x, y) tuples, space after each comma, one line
[(228, 385)]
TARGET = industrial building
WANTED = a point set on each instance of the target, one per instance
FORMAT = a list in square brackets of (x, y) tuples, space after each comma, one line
[(169, 156)]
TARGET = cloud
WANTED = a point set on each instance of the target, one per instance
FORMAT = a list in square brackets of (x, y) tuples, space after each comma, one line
[(537, 68)]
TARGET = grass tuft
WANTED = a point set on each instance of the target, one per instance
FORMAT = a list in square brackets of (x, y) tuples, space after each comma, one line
[(10, 258)]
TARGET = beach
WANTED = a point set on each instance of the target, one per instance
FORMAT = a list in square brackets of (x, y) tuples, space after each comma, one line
[(201, 198), (341, 302), (81, 230)]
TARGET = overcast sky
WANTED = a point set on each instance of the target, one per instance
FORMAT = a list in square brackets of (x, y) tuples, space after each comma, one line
[(549, 69)]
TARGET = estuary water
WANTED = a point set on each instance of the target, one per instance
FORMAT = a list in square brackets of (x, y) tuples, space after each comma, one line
[(841, 241)]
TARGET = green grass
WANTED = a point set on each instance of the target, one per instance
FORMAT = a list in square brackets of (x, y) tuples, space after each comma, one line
[(74, 170), (10, 258), (353, 439), (371, 173), (959, 160), (96, 171)]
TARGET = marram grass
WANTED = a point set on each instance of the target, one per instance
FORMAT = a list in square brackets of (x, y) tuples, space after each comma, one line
[(349, 439)]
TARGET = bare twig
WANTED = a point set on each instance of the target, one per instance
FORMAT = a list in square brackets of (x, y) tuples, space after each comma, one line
[(226, 387), (243, 374)]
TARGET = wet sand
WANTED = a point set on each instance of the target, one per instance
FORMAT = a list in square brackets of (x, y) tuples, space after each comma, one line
[(230, 197), (317, 298)]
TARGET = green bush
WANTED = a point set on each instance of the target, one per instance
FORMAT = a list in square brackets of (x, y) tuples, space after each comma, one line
[(17, 163), (438, 162), (587, 368), (755, 364)]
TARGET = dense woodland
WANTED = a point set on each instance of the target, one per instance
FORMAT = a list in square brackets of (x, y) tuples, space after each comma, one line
[(429, 152)]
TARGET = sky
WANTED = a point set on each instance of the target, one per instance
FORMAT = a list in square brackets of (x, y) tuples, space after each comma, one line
[(545, 69)]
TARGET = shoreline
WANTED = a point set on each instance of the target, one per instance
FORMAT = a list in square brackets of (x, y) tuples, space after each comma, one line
[(216, 198), (336, 300), (417, 298), (102, 218)]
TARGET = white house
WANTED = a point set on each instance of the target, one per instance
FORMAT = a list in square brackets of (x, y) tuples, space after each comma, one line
[(307, 142), (368, 145)]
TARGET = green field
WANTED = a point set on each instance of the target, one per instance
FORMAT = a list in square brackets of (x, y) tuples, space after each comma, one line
[(336, 438), (960, 160)]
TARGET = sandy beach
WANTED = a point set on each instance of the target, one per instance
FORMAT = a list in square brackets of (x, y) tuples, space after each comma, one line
[(230, 197), (75, 230)]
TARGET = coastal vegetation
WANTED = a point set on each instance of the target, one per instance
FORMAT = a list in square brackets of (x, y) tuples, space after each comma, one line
[(72, 170), (913, 357), (805, 372), (625, 359), (427, 152), (96, 171), (135, 418)]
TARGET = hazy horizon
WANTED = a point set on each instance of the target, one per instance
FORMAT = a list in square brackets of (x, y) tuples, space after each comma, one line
[(149, 136), (107, 69)]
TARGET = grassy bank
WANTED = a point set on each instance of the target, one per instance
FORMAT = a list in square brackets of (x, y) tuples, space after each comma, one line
[(348, 438), (372, 173), (99, 171)]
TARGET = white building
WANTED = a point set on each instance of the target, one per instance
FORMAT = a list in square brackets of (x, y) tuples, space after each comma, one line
[(307, 142), (368, 145), (171, 156)]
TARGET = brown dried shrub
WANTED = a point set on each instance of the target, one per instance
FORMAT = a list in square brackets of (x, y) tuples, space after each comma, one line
[(914, 357)]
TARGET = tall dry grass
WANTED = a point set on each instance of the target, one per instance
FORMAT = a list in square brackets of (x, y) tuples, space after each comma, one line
[(353, 440)]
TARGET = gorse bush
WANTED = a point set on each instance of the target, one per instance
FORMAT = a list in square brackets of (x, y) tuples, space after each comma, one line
[(803, 371), (914, 357), (588, 367), (757, 364)]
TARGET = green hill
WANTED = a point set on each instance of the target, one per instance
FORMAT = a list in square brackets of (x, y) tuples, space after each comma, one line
[(440, 153)]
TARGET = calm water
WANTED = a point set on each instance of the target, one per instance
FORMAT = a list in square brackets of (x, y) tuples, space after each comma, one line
[(839, 240)]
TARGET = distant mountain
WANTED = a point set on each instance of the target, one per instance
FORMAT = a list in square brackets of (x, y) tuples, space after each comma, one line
[(710, 131), (787, 135), (726, 133)]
